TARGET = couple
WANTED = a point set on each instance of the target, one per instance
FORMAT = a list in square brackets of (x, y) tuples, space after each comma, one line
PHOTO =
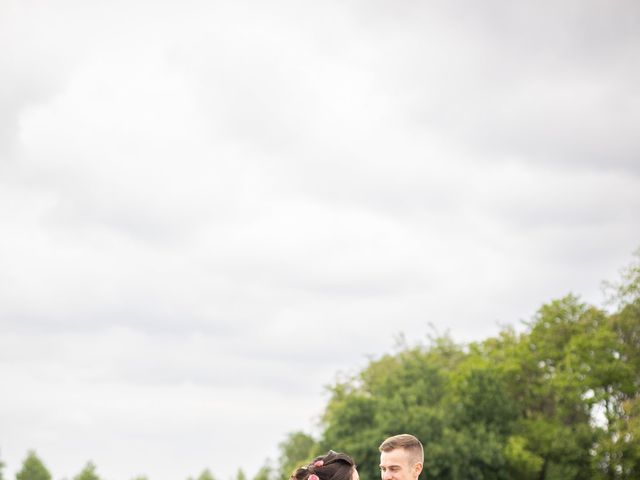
[(401, 458)]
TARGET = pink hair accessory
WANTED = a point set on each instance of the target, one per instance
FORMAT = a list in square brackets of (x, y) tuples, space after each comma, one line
[(318, 463), (313, 476)]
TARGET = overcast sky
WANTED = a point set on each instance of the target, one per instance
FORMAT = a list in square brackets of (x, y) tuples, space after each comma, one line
[(209, 209)]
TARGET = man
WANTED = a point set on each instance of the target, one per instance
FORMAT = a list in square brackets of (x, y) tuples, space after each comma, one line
[(401, 458)]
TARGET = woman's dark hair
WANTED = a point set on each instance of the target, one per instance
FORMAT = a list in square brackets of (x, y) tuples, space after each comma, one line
[(334, 466)]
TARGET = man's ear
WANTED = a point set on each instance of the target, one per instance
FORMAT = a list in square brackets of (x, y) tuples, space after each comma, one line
[(417, 469)]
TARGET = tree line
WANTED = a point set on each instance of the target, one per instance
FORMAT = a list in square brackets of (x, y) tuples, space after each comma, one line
[(33, 468), (559, 400)]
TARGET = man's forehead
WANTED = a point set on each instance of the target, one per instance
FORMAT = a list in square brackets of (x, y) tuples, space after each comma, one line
[(395, 457)]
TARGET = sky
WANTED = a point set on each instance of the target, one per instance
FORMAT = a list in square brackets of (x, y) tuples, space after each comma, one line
[(211, 210)]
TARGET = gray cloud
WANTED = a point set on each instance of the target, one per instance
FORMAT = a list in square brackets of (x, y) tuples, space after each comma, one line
[(210, 210)]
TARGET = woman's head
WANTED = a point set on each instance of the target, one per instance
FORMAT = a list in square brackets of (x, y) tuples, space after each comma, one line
[(332, 466)]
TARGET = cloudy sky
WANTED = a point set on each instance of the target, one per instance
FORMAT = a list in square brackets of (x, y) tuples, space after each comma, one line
[(210, 208)]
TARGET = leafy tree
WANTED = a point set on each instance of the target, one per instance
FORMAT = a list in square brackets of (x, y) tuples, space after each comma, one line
[(240, 475), (556, 417), (204, 475), (298, 448), (87, 473), (33, 468), (616, 378), (559, 401), (627, 290), (265, 472), (515, 406), (395, 394)]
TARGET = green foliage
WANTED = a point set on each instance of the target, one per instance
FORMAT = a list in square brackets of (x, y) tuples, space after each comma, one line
[(297, 449), (33, 468), (521, 463), (559, 401), (627, 290), (204, 475), (265, 472), (87, 473)]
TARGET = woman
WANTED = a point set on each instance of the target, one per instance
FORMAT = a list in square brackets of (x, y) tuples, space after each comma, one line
[(332, 466)]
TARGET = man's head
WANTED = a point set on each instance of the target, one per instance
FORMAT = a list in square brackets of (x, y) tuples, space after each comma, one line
[(401, 458)]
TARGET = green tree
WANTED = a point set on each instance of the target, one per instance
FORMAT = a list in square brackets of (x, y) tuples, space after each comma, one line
[(265, 472), (515, 406), (397, 393), (627, 290), (204, 475), (298, 448), (33, 468), (88, 472), (559, 401)]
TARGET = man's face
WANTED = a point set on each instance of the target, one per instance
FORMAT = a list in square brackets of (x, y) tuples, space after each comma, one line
[(397, 465)]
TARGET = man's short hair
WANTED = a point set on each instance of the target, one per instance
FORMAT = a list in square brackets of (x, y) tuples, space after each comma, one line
[(410, 443)]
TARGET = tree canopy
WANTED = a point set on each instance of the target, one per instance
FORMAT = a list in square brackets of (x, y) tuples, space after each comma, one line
[(559, 401), (87, 473), (33, 468)]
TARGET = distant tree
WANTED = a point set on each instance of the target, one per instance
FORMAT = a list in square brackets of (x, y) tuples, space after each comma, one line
[(298, 448), (33, 468), (140, 477), (204, 475), (265, 473), (87, 473), (240, 475)]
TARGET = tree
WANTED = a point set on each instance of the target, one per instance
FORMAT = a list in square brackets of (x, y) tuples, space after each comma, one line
[(33, 468), (297, 449), (264, 473), (515, 406), (627, 290), (87, 473), (559, 401), (204, 475)]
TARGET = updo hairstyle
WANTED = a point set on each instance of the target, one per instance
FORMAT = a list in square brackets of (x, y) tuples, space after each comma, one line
[(335, 466)]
